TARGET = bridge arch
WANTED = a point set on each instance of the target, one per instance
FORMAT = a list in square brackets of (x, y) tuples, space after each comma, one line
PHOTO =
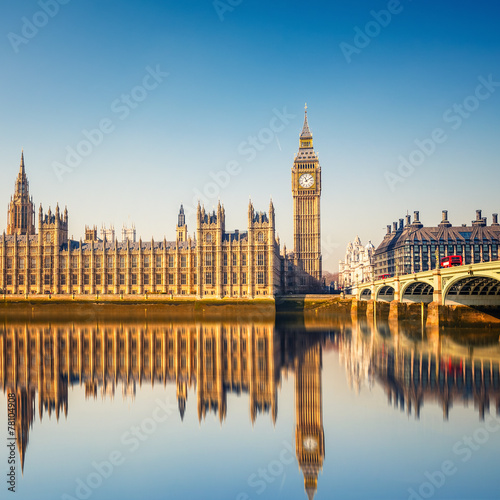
[(366, 294), (473, 289), (385, 293), (417, 291)]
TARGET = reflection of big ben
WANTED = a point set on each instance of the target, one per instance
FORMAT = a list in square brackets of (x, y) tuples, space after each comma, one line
[(309, 435), (306, 189)]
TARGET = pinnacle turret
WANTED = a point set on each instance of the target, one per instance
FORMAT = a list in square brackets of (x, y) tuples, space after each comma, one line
[(21, 212)]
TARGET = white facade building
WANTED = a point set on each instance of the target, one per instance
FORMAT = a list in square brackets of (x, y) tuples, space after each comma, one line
[(357, 266)]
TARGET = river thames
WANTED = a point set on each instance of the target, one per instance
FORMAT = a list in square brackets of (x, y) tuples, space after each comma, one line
[(257, 408)]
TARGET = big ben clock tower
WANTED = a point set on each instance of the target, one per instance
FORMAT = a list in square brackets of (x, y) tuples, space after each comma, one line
[(306, 189)]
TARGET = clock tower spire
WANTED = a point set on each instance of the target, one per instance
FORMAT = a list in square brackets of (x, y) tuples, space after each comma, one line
[(306, 191), (306, 138)]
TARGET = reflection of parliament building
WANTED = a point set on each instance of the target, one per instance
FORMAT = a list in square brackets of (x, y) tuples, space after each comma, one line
[(212, 263), (216, 359), (39, 362)]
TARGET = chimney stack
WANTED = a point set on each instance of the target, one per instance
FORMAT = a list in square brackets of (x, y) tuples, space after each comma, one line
[(388, 229), (395, 226), (408, 220), (445, 222), (416, 219), (480, 221), (401, 221), (495, 220)]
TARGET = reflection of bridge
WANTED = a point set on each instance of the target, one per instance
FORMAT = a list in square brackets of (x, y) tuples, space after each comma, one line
[(472, 285), (435, 370)]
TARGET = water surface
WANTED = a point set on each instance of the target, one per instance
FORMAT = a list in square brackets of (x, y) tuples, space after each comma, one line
[(262, 409)]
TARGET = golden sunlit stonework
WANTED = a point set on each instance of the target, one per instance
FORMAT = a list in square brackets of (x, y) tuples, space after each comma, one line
[(213, 263), (306, 189), (21, 212)]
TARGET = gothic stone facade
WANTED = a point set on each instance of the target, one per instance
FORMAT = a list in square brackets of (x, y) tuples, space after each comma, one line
[(215, 263)]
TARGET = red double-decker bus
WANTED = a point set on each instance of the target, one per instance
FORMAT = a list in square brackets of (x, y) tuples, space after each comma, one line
[(451, 260)]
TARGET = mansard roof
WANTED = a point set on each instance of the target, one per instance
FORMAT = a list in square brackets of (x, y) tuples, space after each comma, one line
[(457, 234)]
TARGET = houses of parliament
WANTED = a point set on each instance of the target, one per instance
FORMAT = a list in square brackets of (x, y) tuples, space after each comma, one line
[(213, 263)]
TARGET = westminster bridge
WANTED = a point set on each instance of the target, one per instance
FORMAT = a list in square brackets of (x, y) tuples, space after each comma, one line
[(469, 285)]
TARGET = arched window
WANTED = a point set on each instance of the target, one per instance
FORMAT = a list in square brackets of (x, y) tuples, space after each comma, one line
[(47, 237), (208, 239), (260, 237)]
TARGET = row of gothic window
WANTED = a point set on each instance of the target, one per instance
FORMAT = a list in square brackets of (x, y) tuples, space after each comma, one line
[(227, 279), (48, 262)]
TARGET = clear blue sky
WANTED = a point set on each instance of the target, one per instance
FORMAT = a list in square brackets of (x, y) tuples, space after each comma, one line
[(225, 79)]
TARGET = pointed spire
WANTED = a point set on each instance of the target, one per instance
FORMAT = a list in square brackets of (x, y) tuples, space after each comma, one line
[(271, 206), (181, 218), (21, 456), (250, 209), (21, 166), (310, 493), (306, 132), (182, 407)]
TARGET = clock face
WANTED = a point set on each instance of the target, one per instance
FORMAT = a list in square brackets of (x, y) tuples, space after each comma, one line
[(310, 443), (306, 180)]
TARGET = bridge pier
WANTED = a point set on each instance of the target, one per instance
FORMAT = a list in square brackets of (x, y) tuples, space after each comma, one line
[(397, 290), (437, 295), (410, 311), (395, 310), (382, 310), (434, 315), (371, 308), (358, 308)]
